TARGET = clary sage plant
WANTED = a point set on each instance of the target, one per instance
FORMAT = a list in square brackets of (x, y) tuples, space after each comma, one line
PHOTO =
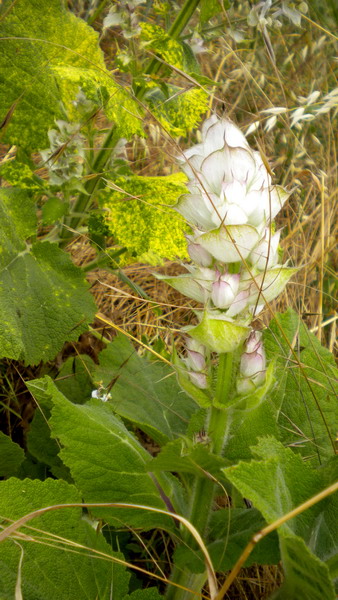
[(235, 270), (234, 248)]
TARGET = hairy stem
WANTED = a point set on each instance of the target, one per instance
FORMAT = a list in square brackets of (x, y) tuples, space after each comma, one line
[(84, 199), (219, 416), (204, 488)]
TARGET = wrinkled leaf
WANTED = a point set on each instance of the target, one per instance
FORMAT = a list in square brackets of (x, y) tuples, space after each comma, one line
[(305, 575), (246, 426), (46, 54), (54, 572), (44, 298), (74, 379), (140, 216), (305, 393), (144, 392), (196, 459), (276, 485), (40, 445), (229, 533), (107, 462)]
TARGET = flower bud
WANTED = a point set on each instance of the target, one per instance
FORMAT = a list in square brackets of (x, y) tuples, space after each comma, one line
[(195, 360), (253, 364), (198, 379), (253, 359), (195, 345), (224, 290), (254, 342)]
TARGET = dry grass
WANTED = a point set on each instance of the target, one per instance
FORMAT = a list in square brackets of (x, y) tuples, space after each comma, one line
[(304, 160)]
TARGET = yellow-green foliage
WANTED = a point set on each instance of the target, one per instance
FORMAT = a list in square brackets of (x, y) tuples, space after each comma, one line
[(183, 113), (100, 87), (20, 175), (160, 42), (46, 55), (146, 225)]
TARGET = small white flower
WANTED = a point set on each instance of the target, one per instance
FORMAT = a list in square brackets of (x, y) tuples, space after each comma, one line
[(224, 290), (101, 395)]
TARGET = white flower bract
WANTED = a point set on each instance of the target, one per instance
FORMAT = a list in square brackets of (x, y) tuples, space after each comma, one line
[(230, 205)]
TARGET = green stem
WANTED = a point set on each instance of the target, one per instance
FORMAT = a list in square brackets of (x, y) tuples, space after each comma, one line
[(85, 199), (183, 17), (204, 489), (219, 416), (224, 378), (192, 581)]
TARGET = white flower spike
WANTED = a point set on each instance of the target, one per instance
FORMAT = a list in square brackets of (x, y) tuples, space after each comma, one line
[(230, 204)]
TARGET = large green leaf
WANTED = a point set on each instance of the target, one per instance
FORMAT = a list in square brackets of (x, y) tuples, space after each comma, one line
[(324, 530), (74, 382), (246, 426), (106, 461), (144, 392), (282, 482), (276, 485), (305, 575), (44, 298), (46, 53), (230, 530), (51, 571), (305, 394), (40, 445), (11, 456)]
